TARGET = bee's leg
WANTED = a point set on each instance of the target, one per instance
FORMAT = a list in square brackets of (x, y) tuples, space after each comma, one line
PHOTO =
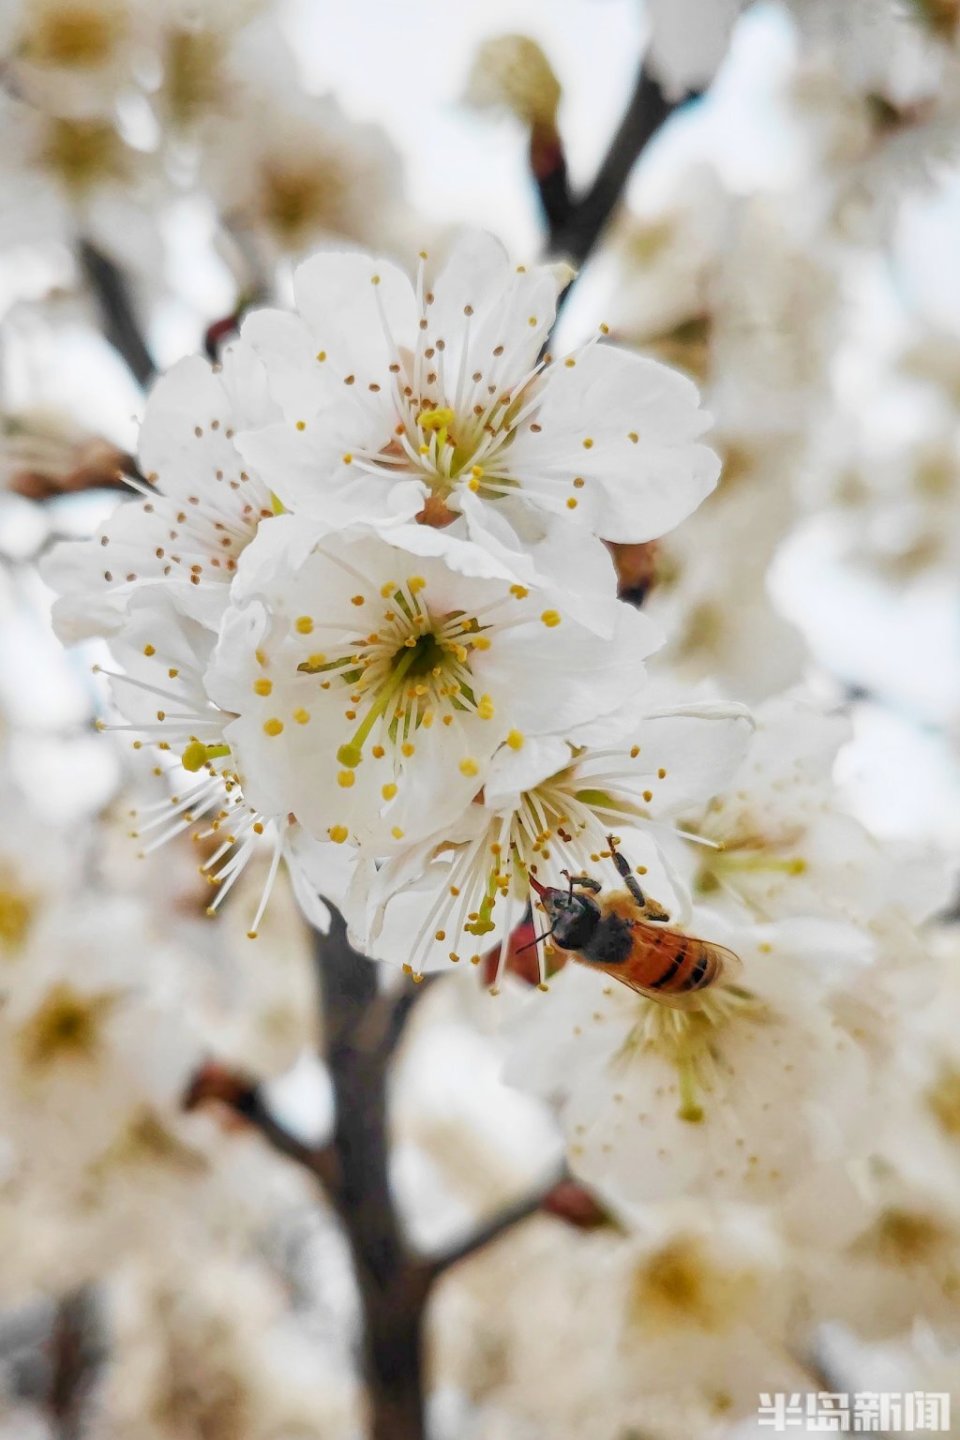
[(651, 910), (586, 882)]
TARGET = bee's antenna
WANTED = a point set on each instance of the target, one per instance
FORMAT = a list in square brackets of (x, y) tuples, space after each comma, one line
[(540, 889), (535, 941)]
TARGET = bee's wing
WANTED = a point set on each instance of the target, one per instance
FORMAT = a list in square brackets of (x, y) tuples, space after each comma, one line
[(731, 966)]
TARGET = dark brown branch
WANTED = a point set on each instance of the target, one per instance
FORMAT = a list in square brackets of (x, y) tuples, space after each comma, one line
[(117, 314), (548, 165), (76, 1355), (245, 1099), (402, 1006), (493, 1229), (392, 1289), (645, 114)]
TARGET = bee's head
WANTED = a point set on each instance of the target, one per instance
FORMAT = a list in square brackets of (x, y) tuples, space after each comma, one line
[(572, 918)]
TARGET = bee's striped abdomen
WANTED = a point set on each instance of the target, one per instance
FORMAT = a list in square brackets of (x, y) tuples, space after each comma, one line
[(687, 964)]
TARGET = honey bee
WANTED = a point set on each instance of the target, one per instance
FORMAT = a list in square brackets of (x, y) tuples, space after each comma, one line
[(625, 934)]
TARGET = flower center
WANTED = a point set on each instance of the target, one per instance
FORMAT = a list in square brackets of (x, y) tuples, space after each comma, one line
[(68, 1025), (686, 1039), (16, 916), (82, 152), (294, 201), (74, 35), (411, 672)]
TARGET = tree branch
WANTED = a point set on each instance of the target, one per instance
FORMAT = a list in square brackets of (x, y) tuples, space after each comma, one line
[(76, 1353), (402, 1007), (245, 1099), (491, 1230), (645, 114), (120, 324), (357, 1024)]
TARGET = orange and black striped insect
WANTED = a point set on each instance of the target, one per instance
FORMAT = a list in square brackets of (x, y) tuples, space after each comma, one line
[(625, 934)]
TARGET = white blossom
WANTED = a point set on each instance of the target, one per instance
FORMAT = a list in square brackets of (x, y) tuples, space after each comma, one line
[(549, 808), (199, 508), (432, 401), (740, 1094), (374, 674)]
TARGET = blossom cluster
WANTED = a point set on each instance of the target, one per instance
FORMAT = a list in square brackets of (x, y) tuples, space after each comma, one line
[(406, 609), (364, 602)]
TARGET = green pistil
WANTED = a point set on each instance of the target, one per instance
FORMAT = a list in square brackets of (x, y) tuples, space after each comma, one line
[(690, 1109), (351, 753), (484, 921), (762, 864), (196, 755), (596, 799)]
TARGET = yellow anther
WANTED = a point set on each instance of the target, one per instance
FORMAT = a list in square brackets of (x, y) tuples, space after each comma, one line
[(321, 356), (338, 833), (301, 424), (149, 650), (481, 642), (273, 726), (485, 708), (515, 739), (301, 716), (571, 503), (387, 590), (469, 766), (550, 618), (388, 791), (633, 436), (520, 591), (378, 752), (407, 748), (263, 686), (348, 458), (356, 599), (345, 779), (304, 624), (416, 584), (397, 833)]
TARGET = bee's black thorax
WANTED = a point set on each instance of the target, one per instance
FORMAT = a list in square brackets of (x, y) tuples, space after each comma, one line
[(611, 942)]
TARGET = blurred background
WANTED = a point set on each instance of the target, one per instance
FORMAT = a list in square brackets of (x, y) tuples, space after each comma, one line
[(786, 234)]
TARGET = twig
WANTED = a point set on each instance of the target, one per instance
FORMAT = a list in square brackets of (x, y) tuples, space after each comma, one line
[(76, 1354), (548, 165), (245, 1099), (645, 114), (497, 1226), (120, 324)]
